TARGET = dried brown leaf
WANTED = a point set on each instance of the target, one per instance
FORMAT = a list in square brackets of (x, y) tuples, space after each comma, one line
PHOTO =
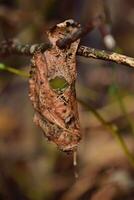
[(52, 89)]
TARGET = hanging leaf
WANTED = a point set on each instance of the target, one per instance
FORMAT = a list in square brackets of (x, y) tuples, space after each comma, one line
[(52, 89)]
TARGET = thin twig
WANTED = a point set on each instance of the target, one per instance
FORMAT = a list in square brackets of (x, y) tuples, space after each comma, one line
[(13, 70), (105, 55), (12, 48), (123, 107), (113, 130)]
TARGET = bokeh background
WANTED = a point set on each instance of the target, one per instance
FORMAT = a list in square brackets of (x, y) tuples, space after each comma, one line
[(32, 168)]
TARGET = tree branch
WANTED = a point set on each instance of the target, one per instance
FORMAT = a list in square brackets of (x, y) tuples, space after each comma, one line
[(105, 55), (14, 47), (10, 47)]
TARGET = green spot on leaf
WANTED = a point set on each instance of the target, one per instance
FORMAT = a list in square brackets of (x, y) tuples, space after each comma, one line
[(2, 66), (58, 83)]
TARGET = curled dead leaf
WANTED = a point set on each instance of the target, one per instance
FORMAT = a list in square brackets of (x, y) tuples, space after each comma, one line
[(52, 89)]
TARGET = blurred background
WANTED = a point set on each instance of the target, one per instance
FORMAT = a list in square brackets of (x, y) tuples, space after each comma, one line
[(32, 168)]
